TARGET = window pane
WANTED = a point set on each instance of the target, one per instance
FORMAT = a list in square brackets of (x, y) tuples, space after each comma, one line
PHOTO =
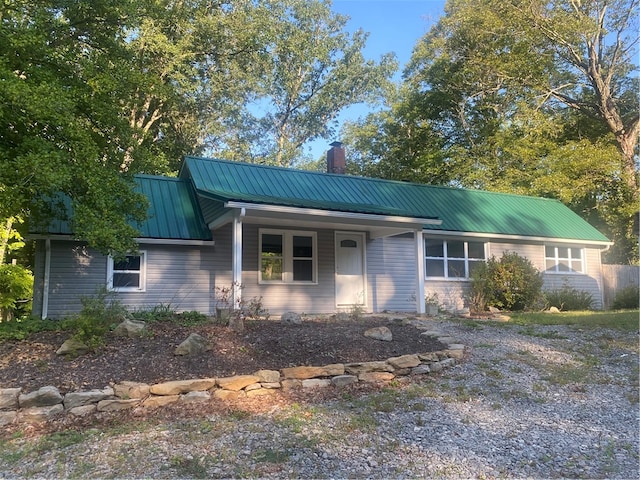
[(271, 267), (549, 251), (121, 280), (473, 265), (455, 268), (131, 262), (435, 268), (434, 248), (302, 270), (455, 249), (563, 265), (551, 265), (576, 253), (302, 247), (272, 244), (476, 250), (576, 266), (563, 252)]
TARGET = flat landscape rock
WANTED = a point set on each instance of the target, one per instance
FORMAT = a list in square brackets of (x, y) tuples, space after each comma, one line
[(379, 333)]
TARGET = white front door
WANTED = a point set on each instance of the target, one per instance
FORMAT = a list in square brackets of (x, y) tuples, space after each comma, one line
[(350, 281)]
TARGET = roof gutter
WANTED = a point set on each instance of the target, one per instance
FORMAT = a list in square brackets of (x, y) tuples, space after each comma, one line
[(140, 240), (503, 236), (330, 214)]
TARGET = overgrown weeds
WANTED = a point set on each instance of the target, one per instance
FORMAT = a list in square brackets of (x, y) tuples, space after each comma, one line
[(21, 329)]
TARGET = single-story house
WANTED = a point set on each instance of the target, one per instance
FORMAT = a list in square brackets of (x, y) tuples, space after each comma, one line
[(314, 242)]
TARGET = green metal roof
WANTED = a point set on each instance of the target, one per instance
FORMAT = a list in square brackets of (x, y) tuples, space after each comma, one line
[(460, 210), (174, 212)]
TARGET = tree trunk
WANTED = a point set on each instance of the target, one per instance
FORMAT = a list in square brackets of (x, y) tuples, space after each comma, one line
[(626, 135)]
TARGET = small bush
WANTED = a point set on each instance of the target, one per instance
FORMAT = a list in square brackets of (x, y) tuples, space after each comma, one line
[(16, 291), (510, 283), (627, 298), (568, 299), (99, 314)]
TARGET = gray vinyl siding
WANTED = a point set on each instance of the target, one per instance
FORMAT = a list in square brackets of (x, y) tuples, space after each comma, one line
[(452, 294), (75, 272), (179, 276), (590, 281), (280, 298), (184, 277), (392, 273)]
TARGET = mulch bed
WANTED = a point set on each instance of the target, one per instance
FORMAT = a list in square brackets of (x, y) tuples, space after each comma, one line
[(265, 344)]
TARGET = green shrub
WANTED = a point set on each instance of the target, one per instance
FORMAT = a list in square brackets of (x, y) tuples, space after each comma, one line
[(23, 327), (628, 297), (99, 314), (191, 318), (568, 299), (160, 313), (510, 283), (16, 291)]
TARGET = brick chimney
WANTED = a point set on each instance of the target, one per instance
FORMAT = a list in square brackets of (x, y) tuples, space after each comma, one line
[(336, 162)]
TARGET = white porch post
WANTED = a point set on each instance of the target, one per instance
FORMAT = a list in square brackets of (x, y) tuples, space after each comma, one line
[(237, 258), (420, 307), (47, 278)]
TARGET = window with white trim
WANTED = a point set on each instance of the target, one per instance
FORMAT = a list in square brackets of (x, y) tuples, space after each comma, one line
[(561, 259), (127, 274), (288, 256), (453, 259)]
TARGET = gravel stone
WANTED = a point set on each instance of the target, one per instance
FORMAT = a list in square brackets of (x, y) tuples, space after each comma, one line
[(524, 402)]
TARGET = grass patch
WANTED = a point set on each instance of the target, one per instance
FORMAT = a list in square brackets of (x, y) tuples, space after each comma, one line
[(569, 374), (10, 453), (270, 455), (530, 331), (624, 320), (61, 439), (189, 467)]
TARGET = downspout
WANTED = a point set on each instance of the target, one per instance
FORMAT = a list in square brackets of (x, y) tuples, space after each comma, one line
[(237, 258), (47, 273), (420, 259)]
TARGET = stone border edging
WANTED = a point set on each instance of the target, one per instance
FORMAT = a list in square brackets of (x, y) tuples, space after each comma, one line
[(47, 402)]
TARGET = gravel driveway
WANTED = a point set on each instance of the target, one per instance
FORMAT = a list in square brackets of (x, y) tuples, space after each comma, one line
[(534, 402)]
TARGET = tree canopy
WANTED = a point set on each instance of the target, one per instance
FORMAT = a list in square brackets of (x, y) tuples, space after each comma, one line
[(94, 92), (523, 96), (310, 71)]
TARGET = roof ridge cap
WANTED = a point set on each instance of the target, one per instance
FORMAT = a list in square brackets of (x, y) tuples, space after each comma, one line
[(159, 177), (371, 179)]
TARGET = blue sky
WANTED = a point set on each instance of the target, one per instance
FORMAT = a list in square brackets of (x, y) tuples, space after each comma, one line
[(393, 26)]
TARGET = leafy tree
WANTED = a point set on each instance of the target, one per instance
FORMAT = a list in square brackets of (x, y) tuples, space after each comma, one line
[(523, 96), (311, 70), (16, 285), (62, 123), (196, 66), (10, 238), (94, 92)]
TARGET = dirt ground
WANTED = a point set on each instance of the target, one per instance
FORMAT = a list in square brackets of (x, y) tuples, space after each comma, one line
[(265, 344)]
